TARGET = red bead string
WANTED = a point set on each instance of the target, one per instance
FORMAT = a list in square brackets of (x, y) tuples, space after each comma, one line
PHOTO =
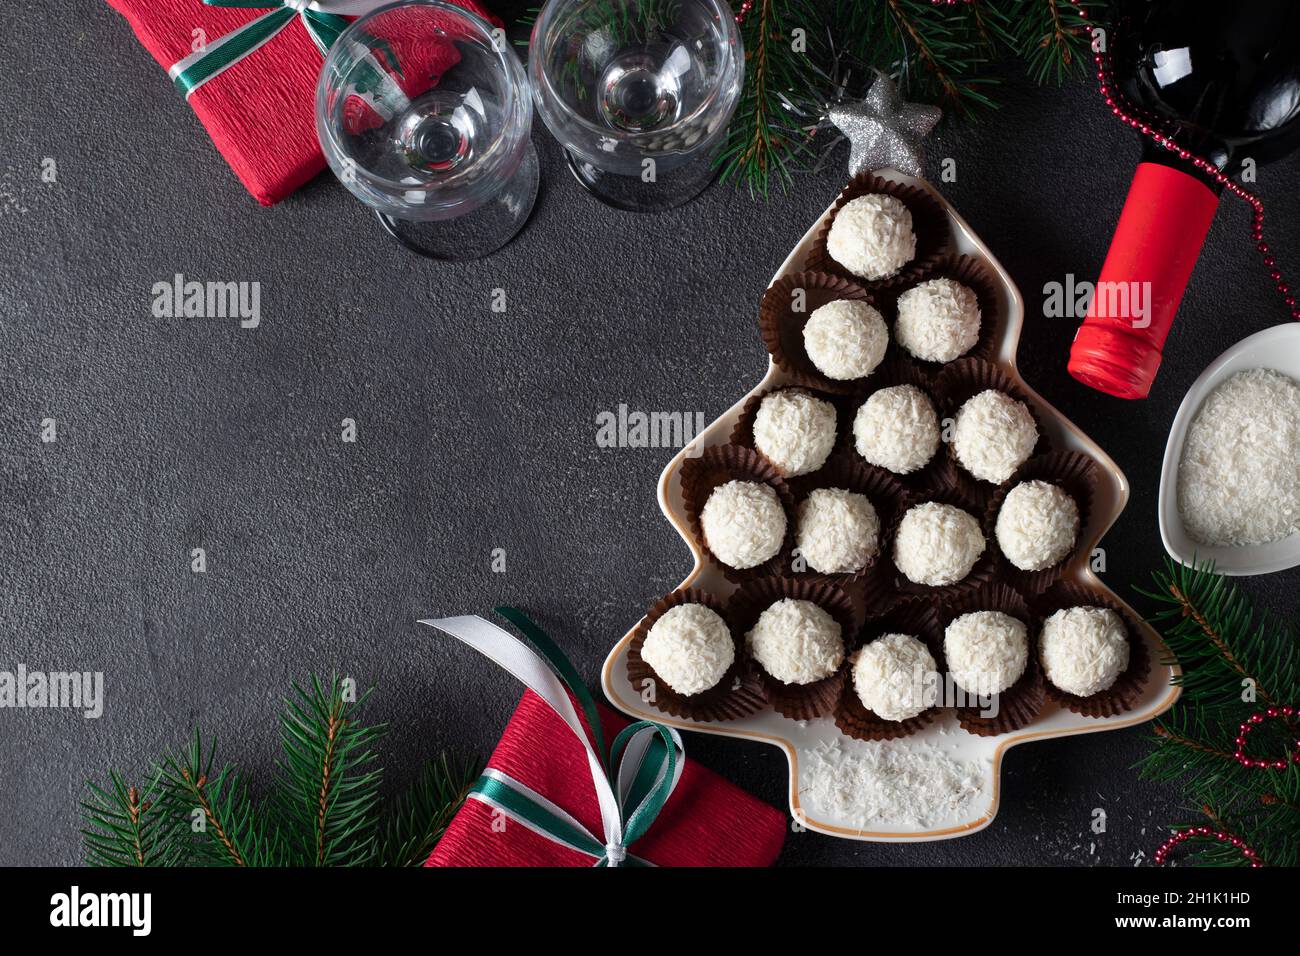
[(744, 11), (1253, 721), (1191, 833), (1147, 127)]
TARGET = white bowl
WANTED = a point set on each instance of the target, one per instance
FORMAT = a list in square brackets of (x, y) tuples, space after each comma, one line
[(1277, 348)]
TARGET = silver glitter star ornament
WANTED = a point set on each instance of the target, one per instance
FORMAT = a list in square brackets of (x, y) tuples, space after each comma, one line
[(883, 130)]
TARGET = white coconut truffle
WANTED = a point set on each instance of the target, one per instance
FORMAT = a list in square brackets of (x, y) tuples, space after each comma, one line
[(938, 320), (1037, 525), (794, 430), (872, 236), (893, 677), (897, 428), (689, 647), (837, 531), (993, 435), (1083, 649), (937, 544), (845, 339), (986, 651), (797, 642), (744, 523)]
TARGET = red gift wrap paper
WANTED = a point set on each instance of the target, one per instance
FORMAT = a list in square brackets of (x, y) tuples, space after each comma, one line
[(259, 112), (707, 822)]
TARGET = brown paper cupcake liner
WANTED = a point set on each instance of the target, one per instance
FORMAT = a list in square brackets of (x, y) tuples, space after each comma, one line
[(962, 380), (1074, 473), (738, 694), (886, 496), (900, 371), (979, 575), (797, 701), (716, 466), (1127, 689), (742, 433), (904, 617), (782, 326), (929, 222), (1022, 702), (976, 276)]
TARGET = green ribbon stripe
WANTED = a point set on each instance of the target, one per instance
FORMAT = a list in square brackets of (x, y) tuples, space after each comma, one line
[(191, 72), (652, 780)]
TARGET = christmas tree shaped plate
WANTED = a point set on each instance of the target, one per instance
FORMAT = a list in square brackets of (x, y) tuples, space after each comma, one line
[(941, 781)]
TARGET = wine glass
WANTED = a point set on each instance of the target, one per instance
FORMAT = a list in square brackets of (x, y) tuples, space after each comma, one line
[(423, 112), (638, 92)]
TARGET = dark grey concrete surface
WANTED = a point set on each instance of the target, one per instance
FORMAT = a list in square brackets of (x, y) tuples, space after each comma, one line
[(476, 431)]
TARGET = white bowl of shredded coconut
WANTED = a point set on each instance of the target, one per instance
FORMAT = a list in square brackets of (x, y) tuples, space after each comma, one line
[(1230, 482)]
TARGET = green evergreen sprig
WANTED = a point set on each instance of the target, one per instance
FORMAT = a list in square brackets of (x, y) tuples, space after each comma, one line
[(324, 807), (328, 788), (1236, 662)]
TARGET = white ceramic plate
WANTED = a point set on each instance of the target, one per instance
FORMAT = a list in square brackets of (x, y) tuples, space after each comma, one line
[(1276, 348), (798, 738)]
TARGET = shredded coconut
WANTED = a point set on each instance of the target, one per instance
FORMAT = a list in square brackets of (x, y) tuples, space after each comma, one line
[(838, 531), (1037, 525), (1083, 649), (797, 642), (845, 339), (744, 523), (690, 647), (886, 784), (937, 544), (872, 236), (938, 320), (993, 436), (893, 676), (897, 428), (795, 430), (986, 651), (1239, 479)]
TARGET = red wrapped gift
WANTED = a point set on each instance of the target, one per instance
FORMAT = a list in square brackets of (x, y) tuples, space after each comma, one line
[(258, 111), (705, 822)]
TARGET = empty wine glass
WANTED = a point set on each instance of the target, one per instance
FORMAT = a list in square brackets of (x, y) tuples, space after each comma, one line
[(638, 92), (423, 112)]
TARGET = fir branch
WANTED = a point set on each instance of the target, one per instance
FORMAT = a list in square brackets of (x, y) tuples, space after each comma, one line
[(224, 826), (1225, 649), (127, 826), (1050, 36), (417, 819), (765, 144), (327, 790)]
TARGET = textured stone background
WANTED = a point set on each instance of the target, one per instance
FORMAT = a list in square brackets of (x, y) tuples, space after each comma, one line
[(476, 431)]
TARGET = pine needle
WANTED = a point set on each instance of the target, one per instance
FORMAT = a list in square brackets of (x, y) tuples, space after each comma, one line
[(417, 819), (1236, 663)]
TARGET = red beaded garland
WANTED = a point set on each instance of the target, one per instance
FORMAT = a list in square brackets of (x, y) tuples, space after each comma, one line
[(744, 10), (1162, 854), (1249, 724)]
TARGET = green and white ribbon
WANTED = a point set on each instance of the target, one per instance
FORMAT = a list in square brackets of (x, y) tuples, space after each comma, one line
[(633, 780), (323, 19)]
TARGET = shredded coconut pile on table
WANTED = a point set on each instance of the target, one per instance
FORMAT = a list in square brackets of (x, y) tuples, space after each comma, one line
[(884, 783), (1239, 479)]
